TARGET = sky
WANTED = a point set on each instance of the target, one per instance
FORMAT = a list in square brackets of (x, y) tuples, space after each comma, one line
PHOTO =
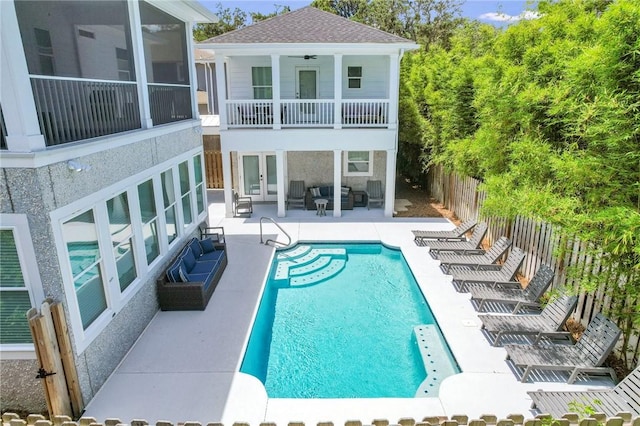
[(496, 12)]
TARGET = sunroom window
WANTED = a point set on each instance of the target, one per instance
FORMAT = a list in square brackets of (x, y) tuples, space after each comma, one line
[(185, 193), (169, 202), (200, 190), (149, 217), (81, 238), (122, 239)]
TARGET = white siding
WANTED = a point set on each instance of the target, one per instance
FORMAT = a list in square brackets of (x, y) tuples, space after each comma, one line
[(375, 77)]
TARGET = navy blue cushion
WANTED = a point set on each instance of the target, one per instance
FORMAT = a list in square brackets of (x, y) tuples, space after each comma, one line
[(326, 191), (195, 247), (184, 277), (172, 271), (212, 255), (188, 258), (204, 267), (207, 245), (200, 278)]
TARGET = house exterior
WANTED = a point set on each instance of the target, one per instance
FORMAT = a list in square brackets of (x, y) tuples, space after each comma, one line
[(102, 174), (310, 96)]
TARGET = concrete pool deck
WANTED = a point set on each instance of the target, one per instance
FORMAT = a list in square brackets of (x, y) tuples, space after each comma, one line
[(184, 367)]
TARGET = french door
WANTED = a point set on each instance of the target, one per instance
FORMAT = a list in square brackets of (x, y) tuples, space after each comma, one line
[(258, 178)]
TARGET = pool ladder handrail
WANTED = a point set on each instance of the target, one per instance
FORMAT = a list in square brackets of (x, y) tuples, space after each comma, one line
[(270, 240)]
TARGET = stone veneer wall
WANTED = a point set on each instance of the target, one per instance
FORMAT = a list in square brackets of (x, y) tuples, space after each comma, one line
[(37, 192), (316, 168)]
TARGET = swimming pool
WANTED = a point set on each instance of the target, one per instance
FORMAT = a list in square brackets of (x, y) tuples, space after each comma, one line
[(345, 321)]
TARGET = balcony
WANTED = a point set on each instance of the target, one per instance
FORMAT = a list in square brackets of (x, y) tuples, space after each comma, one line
[(75, 109), (306, 113)]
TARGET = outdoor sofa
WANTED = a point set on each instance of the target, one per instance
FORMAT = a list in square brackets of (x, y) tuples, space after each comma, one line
[(326, 192), (191, 278)]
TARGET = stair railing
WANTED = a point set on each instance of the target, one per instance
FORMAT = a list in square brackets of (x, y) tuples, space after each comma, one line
[(270, 240)]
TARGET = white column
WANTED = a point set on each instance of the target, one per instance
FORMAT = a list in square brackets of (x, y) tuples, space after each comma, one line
[(193, 76), (20, 116), (337, 178), (137, 44), (275, 89), (337, 91), (390, 183), (222, 92), (280, 178), (228, 189), (394, 89)]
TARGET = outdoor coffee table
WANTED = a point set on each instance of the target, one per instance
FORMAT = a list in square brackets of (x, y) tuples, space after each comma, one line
[(321, 206)]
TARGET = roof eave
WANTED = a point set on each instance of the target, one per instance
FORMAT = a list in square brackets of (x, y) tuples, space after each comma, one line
[(315, 48), (185, 10)]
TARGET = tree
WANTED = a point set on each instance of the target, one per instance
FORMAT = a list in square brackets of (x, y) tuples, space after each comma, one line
[(228, 20)]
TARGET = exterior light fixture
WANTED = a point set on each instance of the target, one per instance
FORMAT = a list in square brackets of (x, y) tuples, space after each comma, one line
[(75, 166)]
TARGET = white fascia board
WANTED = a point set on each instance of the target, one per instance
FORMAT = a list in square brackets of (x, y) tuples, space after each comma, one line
[(185, 10), (255, 49)]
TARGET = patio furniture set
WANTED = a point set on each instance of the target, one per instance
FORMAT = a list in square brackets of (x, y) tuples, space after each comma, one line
[(322, 197), (493, 285)]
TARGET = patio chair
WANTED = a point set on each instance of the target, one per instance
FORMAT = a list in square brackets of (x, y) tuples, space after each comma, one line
[(456, 234), (503, 274), (460, 247), (512, 293), (623, 398), (374, 192), (476, 261), (547, 323), (296, 194), (242, 206), (586, 356)]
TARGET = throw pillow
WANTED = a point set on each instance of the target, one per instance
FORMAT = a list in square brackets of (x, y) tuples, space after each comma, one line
[(172, 273), (183, 274), (315, 192), (207, 245), (195, 247), (344, 191)]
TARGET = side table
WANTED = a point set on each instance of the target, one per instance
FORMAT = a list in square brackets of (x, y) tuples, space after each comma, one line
[(359, 199), (321, 206)]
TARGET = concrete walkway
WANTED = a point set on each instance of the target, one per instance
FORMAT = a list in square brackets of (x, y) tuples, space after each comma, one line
[(184, 367)]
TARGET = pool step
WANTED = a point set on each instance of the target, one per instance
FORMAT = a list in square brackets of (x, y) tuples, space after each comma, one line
[(332, 268), (304, 265), (290, 266), (437, 365)]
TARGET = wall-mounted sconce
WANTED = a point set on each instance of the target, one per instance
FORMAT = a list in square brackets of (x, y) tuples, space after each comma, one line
[(75, 166)]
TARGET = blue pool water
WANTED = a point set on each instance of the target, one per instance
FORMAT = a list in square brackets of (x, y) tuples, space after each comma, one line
[(345, 321)]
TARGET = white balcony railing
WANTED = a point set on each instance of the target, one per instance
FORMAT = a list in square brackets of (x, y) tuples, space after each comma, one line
[(304, 113)]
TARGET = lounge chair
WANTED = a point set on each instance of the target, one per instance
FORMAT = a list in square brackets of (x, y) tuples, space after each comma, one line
[(374, 193), (623, 398), (586, 356), (456, 234), (548, 323), (505, 273), (242, 206), (473, 246), (476, 261), (512, 293), (296, 194)]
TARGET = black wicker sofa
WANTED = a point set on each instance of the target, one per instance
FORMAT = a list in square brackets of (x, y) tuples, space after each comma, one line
[(190, 280), (326, 192)]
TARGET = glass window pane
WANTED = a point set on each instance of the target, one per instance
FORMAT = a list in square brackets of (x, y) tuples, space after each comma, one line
[(172, 228), (358, 155), (14, 327), (199, 198), (10, 270), (151, 243), (183, 168), (354, 71), (197, 168), (81, 238), (147, 201), (90, 294), (186, 209), (262, 93), (119, 219), (168, 194), (125, 263), (261, 76)]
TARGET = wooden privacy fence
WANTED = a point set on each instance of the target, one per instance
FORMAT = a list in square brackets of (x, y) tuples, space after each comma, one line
[(55, 356), (571, 259), (213, 169), (570, 419)]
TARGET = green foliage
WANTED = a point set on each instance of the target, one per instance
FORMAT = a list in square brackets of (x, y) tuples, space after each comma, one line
[(547, 115), (228, 20)]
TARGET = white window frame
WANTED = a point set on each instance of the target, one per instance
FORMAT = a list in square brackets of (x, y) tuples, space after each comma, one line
[(117, 300), (345, 166), (19, 224), (358, 79)]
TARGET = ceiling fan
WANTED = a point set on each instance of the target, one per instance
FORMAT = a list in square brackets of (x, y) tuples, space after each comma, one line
[(305, 57)]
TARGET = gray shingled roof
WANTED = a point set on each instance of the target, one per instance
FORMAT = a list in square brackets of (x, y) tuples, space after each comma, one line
[(307, 25)]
